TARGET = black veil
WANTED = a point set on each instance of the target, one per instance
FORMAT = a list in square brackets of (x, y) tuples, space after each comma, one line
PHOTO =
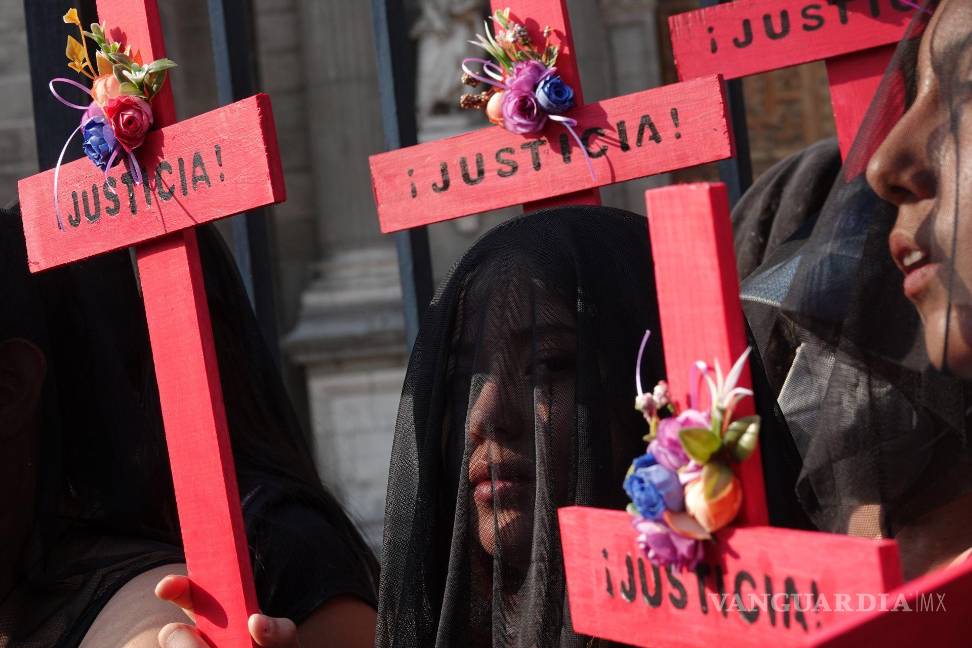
[(517, 401), (870, 372), (105, 508)]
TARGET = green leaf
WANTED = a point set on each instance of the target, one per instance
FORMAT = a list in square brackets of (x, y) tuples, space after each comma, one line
[(119, 71), (123, 58), (130, 89), (699, 443), (716, 477), (160, 65), (742, 436)]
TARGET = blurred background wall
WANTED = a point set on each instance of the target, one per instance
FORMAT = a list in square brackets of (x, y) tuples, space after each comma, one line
[(336, 278)]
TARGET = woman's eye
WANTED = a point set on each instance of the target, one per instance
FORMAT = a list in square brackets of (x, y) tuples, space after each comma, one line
[(554, 363)]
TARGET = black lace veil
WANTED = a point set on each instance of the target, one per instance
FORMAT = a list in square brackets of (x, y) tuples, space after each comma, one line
[(872, 370), (517, 401)]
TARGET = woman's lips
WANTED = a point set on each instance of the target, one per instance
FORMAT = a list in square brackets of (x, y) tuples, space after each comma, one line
[(484, 491), (917, 279)]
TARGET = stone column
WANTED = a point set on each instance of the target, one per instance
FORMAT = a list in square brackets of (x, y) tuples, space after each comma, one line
[(348, 335), (632, 48)]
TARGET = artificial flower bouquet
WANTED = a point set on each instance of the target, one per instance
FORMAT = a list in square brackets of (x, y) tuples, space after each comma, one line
[(119, 116), (523, 87), (683, 488), (122, 87)]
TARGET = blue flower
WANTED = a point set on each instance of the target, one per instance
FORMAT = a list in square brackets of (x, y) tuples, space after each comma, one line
[(554, 95), (653, 488), (99, 141), (644, 461)]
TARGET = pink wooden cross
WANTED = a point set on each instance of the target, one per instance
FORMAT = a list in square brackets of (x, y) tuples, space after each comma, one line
[(627, 137), (856, 38), (206, 168)]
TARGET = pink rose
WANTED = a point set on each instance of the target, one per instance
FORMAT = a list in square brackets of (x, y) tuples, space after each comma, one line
[(526, 75), (667, 447), (104, 89), (664, 547), (522, 113), (130, 118)]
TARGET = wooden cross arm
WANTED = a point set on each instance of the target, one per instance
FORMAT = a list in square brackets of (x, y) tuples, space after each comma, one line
[(749, 37), (615, 593), (932, 611), (209, 167), (634, 136)]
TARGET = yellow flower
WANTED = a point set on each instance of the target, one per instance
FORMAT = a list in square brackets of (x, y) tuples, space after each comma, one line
[(75, 50), (71, 17)]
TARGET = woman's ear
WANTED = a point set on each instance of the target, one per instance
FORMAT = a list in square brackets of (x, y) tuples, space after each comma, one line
[(22, 371)]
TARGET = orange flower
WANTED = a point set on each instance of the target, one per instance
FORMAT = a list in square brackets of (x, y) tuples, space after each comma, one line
[(104, 89), (715, 513), (494, 109)]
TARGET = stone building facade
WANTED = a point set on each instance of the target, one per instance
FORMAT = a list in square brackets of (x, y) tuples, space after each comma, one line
[(336, 277)]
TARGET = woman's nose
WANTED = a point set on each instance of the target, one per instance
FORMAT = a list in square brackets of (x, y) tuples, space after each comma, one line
[(901, 172), (489, 412)]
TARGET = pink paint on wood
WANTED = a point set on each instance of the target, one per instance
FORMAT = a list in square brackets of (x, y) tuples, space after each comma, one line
[(698, 301), (188, 375), (197, 437), (854, 80), (817, 31), (217, 164), (609, 598), (536, 15), (405, 181), (933, 611)]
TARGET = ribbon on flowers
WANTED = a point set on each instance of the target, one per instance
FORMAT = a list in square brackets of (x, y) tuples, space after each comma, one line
[(494, 77), (89, 114)]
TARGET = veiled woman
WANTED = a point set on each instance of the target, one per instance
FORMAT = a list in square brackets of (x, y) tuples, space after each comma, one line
[(88, 512), (872, 371)]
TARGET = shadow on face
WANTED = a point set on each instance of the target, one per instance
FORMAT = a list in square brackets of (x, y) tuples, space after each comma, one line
[(520, 355), (924, 168)]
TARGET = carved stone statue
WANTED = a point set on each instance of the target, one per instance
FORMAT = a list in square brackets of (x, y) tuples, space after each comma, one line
[(443, 33)]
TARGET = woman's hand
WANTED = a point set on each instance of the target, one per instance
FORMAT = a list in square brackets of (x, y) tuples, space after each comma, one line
[(267, 632)]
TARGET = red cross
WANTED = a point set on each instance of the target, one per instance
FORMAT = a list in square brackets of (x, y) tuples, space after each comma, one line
[(613, 593), (628, 137), (209, 167), (856, 39)]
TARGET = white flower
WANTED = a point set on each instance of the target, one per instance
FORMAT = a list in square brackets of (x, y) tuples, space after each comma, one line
[(723, 391)]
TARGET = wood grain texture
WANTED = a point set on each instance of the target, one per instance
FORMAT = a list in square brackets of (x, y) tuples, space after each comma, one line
[(609, 598), (517, 169), (817, 30), (698, 302), (854, 80), (205, 168), (535, 15)]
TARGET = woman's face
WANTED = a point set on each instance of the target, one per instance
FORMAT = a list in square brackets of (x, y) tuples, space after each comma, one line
[(924, 167), (521, 408)]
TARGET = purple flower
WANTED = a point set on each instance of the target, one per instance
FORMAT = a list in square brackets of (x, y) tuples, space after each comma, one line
[(664, 547), (99, 141), (526, 75), (554, 95), (667, 447), (653, 488), (522, 113)]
